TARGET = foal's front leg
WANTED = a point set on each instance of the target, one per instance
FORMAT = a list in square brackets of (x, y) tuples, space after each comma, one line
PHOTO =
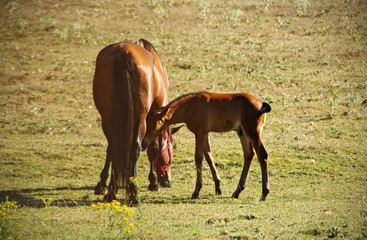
[(199, 149), (209, 159)]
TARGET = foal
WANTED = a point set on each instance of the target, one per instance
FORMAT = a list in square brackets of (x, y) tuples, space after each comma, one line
[(211, 112)]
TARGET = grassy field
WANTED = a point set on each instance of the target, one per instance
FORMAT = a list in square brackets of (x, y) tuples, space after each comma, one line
[(308, 59)]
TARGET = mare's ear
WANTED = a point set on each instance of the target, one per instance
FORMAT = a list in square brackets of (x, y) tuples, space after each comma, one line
[(174, 130)]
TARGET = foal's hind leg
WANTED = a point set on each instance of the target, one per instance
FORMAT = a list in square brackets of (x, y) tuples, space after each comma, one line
[(248, 154), (262, 156), (209, 159)]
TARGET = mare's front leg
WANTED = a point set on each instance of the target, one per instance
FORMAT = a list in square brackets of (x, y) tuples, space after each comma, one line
[(199, 149), (248, 154), (152, 152), (209, 159)]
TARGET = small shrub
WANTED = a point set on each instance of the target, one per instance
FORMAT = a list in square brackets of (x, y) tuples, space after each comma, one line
[(333, 232), (301, 7), (335, 133), (9, 228), (249, 216), (351, 99), (116, 220), (12, 6), (236, 16), (314, 232)]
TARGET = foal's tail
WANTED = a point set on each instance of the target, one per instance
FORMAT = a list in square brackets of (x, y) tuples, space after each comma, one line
[(122, 119), (265, 108)]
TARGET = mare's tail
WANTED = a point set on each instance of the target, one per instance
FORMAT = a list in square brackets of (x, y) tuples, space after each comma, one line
[(265, 108), (122, 119)]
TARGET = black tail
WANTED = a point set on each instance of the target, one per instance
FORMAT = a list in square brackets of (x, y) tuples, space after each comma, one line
[(265, 108), (122, 119), (145, 44)]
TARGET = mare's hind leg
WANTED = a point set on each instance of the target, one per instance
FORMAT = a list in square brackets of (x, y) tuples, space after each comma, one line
[(199, 149), (112, 189), (209, 158), (248, 154), (101, 188), (132, 188), (140, 129)]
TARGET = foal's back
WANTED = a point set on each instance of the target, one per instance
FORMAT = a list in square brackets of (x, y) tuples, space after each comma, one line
[(213, 112)]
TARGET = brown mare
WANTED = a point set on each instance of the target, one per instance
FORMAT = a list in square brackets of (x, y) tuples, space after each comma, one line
[(130, 81), (211, 112)]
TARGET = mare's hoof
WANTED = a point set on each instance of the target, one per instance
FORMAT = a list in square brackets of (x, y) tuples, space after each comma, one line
[(109, 197), (133, 202), (153, 187), (218, 192), (100, 190)]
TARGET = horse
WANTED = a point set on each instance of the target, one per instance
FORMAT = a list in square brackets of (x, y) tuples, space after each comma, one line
[(129, 82), (206, 112)]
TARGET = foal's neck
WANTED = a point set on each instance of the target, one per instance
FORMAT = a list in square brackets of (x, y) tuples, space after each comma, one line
[(176, 113)]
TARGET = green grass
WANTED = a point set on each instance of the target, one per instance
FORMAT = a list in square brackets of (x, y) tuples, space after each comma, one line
[(306, 58)]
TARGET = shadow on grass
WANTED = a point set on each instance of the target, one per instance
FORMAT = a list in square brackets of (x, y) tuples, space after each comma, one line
[(33, 197), (205, 199)]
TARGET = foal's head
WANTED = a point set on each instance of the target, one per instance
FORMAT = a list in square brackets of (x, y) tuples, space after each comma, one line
[(160, 150), (155, 127)]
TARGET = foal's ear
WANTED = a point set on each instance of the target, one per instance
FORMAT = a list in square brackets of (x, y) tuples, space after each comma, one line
[(174, 130)]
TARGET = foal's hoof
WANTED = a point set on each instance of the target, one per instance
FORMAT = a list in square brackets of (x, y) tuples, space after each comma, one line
[(195, 196), (166, 184), (235, 195), (264, 195)]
